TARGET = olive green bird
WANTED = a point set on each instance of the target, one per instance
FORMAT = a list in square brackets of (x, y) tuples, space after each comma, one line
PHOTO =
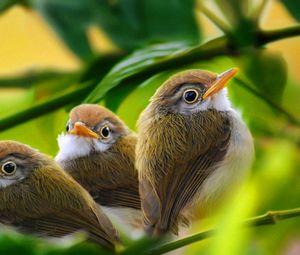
[(98, 151), (192, 146), (38, 197)]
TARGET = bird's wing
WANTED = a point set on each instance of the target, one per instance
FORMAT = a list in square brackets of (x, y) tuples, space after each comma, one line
[(66, 207), (117, 196), (188, 177), (173, 167), (150, 203), (59, 225)]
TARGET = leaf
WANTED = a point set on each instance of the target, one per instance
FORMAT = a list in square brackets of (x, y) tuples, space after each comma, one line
[(130, 24), (267, 71), (69, 19), (133, 64), (293, 6), (135, 23), (144, 63)]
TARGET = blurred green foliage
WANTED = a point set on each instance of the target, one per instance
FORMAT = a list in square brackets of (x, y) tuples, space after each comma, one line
[(157, 39)]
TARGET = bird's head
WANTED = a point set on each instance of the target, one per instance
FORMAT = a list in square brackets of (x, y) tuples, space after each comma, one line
[(91, 128), (17, 162), (193, 91)]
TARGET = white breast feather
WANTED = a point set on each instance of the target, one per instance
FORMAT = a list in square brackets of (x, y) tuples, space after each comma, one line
[(73, 146)]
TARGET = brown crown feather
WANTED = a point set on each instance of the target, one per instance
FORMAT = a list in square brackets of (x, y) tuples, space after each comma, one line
[(93, 114)]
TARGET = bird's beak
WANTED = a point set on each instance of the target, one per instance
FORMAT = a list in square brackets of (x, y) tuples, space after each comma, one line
[(220, 82), (81, 130)]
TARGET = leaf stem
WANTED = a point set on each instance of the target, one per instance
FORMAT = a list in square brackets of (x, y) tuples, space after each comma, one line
[(271, 217)]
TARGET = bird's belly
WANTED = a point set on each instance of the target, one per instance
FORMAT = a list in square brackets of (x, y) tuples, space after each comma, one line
[(230, 172), (127, 220)]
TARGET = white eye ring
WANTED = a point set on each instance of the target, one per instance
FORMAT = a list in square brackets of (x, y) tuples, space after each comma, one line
[(105, 131), (185, 95), (7, 171)]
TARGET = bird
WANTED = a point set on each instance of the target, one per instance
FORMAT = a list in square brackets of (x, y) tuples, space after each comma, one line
[(98, 151), (192, 147), (39, 198)]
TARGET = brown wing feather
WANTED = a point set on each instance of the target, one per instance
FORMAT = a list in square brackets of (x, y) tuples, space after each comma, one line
[(57, 226), (117, 197), (185, 155)]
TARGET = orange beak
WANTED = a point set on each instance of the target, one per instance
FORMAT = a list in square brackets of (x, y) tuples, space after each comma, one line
[(81, 130), (220, 82)]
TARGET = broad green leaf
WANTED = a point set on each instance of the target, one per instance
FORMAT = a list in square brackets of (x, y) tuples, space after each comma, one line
[(133, 64), (144, 63), (293, 6), (130, 24), (267, 71), (69, 19)]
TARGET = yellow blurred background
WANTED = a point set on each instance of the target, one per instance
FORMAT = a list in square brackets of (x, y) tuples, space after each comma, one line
[(27, 42)]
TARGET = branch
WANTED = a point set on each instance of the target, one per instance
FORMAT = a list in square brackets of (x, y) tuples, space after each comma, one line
[(34, 78), (271, 217), (270, 36), (45, 107), (217, 47)]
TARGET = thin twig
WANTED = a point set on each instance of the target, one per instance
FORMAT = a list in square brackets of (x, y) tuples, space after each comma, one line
[(271, 217)]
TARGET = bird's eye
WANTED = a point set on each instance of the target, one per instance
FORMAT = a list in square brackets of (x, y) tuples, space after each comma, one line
[(9, 168), (190, 96), (67, 127), (105, 131)]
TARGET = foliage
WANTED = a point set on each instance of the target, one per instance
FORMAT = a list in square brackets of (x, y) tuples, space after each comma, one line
[(156, 39)]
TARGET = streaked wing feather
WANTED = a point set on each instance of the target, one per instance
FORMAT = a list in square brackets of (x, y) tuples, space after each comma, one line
[(117, 197), (58, 226), (186, 186)]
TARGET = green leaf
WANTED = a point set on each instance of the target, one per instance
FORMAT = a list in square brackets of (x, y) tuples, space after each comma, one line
[(135, 23), (293, 6), (133, 64), (69, 19), (142, 64), (130, 24), (267, 71)]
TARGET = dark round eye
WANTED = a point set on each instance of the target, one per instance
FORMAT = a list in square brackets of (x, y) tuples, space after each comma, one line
[(105, 132), (67, 127), (190, 96), (9, 168)]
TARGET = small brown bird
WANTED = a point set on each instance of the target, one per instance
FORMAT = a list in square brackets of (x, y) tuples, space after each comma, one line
[(192, 145), (98, 151), (38, 197)]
